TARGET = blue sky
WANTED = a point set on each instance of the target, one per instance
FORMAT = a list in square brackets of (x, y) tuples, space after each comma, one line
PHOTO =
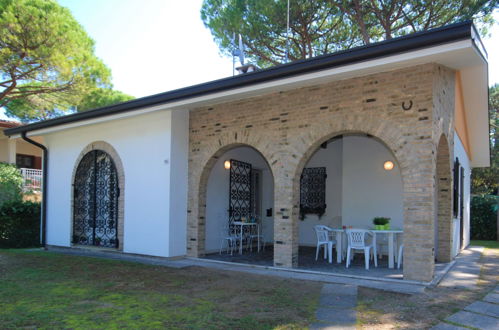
[(154, 46)]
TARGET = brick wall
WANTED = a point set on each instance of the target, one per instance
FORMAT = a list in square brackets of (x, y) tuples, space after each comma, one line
[(287, 127)]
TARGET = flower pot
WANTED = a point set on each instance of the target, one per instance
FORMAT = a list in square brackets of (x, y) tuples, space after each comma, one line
[(386, 227), (378, 227)]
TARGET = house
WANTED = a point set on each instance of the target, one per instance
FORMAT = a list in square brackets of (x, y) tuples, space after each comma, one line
[(390, 129), (25, 155)]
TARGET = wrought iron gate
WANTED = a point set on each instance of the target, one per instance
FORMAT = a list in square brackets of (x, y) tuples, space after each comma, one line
[(95, 209), (313, 191), (240, 190)]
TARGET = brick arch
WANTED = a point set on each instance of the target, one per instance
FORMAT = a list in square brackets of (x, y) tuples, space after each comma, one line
[(443, 214), (106, 147), (304, 147), (198, 183)]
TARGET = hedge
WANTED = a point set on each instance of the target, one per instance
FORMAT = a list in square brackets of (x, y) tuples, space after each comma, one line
[(19, 224), (11, 182), (484, 217)]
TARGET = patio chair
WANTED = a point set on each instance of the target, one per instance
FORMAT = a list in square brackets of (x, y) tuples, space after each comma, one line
[(357, 241), (323, 239), (258, 236), (400, 256), (229, 237)]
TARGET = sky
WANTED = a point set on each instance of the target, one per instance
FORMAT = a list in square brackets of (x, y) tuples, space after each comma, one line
[(153, 46)]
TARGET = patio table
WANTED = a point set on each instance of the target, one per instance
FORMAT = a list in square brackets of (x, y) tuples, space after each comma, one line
[(391, 235), (338, 233), (242, 225)]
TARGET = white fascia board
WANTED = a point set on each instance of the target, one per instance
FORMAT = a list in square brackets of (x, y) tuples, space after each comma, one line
[(451, 55)]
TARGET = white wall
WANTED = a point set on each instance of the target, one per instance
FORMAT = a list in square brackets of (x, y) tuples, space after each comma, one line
[(358, 188), (332, 159), (144, 146), (460, 153), (217, 199)]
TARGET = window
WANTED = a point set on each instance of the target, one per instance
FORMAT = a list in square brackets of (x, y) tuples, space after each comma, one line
[(313, 191), (25, 161)]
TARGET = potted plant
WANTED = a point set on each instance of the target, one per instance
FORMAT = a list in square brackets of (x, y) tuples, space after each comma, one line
[(381, 223), (97, 241)]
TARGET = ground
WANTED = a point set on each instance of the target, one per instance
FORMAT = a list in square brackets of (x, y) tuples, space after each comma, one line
[(382, 310), (47, 290)]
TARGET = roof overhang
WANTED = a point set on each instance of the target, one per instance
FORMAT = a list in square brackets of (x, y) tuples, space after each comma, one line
[(456, 46)]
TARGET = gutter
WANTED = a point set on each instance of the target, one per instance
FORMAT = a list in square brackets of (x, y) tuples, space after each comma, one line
[(43, 218)]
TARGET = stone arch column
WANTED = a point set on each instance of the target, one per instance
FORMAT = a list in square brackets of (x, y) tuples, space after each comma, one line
[(106, 147), (200, 166), (417, 178), (443, 216)]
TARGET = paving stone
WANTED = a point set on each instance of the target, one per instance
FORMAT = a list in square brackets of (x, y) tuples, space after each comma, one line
[(338, 301), (327, 326), (337, 316), (474, 320), (339, 289), (446, 326), (492, 298), (484, 308)]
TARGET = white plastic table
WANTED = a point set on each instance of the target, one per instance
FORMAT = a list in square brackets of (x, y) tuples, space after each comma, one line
[(242, 224), (338, 233), (391, 235)]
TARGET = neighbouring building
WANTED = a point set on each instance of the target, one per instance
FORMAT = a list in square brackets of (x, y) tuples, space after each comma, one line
[(390, 129)]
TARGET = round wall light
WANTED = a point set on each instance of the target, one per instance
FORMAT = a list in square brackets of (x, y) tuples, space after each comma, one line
[(227, 164), (388, 165)]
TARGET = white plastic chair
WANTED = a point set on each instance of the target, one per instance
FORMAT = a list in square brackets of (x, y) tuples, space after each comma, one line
[(227, 236), (258, 236), (323, 239), (357, 241), (400, 256)]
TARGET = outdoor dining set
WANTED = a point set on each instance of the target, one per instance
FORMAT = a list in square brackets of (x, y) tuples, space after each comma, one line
[(346, 241), (363, 240)]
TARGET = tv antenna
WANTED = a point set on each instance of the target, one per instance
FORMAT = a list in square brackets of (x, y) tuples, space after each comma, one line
[(237, 51), (287, 36)]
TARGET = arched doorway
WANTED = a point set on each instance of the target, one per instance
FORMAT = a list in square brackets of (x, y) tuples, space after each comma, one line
[(95, 201), (362, 180), (239, 185), (443, 203)]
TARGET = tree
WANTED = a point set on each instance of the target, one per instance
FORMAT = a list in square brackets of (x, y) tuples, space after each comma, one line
[(102, 97), (324, 26), (486, 180), (47, 60)]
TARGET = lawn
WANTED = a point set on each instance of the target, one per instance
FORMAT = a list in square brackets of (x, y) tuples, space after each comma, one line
[(41, 289), (383, 310)]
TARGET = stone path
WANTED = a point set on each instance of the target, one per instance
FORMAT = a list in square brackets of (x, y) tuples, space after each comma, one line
[(336, 309), (482, 314)]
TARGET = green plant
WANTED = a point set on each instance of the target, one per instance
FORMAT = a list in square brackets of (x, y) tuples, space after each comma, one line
[(11, 182), (484, 217), (381, 221), (19, 224)]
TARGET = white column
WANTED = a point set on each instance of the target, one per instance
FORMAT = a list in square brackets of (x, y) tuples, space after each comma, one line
[(11, 151)]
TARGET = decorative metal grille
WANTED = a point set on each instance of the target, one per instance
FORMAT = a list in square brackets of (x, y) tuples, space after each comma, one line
[(313, 191), (95, 213), (240, 190)]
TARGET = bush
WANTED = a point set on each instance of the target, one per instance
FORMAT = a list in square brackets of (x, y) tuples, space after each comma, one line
[(484, 217), (11, 183), (19, 224)]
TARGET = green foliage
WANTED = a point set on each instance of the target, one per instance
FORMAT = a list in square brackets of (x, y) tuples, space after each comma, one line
[(322, 26), (11, 182), (484, 217), (486, 180), (47, 60), (381, 221), (19, 224), (102, 97)]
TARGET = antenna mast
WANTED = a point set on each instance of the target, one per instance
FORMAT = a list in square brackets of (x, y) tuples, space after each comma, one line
[(287, 36)]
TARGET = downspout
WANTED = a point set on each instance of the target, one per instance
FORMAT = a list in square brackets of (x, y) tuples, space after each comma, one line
[(43, 220)]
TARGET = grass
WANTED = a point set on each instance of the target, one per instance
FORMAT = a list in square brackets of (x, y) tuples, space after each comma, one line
[(487, 244), (47, 290)]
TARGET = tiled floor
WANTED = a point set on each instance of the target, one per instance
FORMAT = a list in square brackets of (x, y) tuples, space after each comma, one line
[(306, 261)]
